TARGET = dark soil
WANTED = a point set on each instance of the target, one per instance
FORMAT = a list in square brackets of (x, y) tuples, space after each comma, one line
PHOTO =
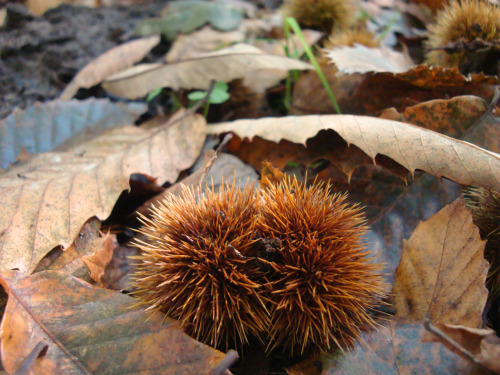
[(40, 55)]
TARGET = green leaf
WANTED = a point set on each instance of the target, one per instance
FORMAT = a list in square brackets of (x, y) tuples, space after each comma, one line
[(186, 16), (153, 94), (218, 96)]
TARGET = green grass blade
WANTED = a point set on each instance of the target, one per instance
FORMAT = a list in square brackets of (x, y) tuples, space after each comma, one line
[(292, 22)]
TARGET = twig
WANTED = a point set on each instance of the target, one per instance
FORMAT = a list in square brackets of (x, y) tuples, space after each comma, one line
[(226, 139), (456, 346), (226, 362), (202, 102)]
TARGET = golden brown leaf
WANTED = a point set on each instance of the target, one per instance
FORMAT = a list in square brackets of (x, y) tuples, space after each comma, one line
[(46, 202), (442, 271), (410, 146), (69, 261), (92, 330), (98, 261), (223, 65), (113, 61)]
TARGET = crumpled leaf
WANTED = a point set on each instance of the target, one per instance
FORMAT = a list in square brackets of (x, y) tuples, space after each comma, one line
[(223, 65), (361, 59), (113, 61), (92, 330), (101, 258), (188, 15), (46, 201), (442, 271), (483, 344), (44, 126), (410, 146)]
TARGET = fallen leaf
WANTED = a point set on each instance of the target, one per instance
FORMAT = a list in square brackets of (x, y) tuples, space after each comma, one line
[(46, 201), (452, 117), (410, 146), (188, 15), (396, 348), (44, 126), (92, 330), (69, 261), (422, 199), (98, 261), (200, 42), (113, 61), (223, 65), (260, 80), (442, 271), (361, 59), (118, 272), (483, 344), (372, 92), (310, 96)]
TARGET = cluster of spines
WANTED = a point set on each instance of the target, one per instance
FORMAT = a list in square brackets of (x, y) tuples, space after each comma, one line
[(285, 264), (323, 282), (462, 21), (197, 266)]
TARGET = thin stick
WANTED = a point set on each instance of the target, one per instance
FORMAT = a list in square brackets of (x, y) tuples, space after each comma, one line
[(455, 345), (226, 362), (226, 139)]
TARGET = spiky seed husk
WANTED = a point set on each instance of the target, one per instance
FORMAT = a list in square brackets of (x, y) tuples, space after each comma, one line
[(320, 14), (485, 207), (466, 20), (323, 283), (349, 37), (197, 266)]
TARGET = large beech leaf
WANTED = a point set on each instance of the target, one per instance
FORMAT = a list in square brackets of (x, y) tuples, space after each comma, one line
[(410, 146), (42, 127), (92, 331), (46, 202), (442, 271), (196, 73), (113, 61)]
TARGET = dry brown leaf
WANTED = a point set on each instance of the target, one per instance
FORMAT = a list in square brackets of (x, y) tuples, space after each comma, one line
[(442, 271), (98, 261), (92, 330), (361, 59), (410, 146), (452, 117), (46, 201), (69, 261), (395, 349), (483, 344), (113, 61), (196, 73), (202, 41)]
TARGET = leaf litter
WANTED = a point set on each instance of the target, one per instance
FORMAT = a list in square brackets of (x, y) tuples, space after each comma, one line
[(342, 148)]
